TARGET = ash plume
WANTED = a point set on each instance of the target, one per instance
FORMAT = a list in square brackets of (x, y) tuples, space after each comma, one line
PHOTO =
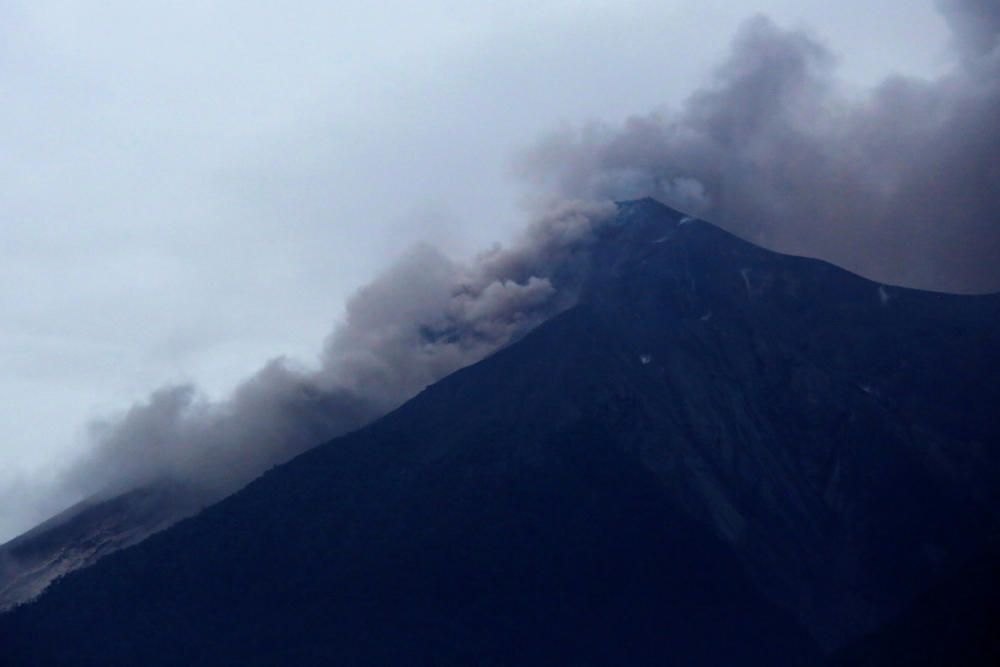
[(901, 184), (423, 318)]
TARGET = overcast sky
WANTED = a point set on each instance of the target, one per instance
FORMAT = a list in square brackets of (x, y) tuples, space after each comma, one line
[(189, 189)]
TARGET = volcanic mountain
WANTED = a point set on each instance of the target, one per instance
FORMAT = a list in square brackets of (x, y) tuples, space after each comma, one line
[(719, 455)]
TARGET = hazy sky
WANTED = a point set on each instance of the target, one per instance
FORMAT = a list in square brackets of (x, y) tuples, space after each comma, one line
[(189, 189)]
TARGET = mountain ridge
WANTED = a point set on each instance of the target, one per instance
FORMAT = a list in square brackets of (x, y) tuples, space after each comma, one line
[(801, 415)]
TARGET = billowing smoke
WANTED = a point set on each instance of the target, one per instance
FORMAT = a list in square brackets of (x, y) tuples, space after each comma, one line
[(901, 184), (422, 319)]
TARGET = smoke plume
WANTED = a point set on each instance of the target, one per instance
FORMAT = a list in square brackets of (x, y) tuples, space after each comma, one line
[(423, 318), (901, 184)]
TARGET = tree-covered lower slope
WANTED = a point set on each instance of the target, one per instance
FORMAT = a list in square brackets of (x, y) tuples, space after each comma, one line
[(722, 455)]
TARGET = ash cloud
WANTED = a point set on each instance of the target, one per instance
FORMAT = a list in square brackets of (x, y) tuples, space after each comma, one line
[(899, 184), (423, 318)]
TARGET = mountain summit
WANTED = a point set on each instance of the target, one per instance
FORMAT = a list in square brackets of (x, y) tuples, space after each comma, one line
[(719, 455)]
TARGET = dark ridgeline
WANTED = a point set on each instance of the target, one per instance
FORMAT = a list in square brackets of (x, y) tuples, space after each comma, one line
[(722, 455)]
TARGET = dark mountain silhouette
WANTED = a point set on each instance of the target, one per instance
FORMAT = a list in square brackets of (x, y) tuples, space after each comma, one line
[(721, 455), (955, 623)]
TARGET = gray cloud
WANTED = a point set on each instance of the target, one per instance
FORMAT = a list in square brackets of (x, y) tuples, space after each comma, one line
[(974, 23), (423, 318), (899, 184)]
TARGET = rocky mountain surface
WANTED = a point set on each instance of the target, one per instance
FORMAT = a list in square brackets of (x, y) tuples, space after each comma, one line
[(85, 533)]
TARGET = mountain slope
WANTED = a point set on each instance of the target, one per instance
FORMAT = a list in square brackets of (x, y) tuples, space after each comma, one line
[(719, 447), (532, 539), (85, 533), (840, 433), (954, 623)]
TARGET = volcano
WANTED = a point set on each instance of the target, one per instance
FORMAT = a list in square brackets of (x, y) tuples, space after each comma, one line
[(719, 455)]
